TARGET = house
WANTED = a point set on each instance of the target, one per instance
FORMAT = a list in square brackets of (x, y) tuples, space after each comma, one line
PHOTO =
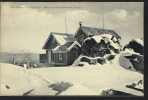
[(84, 32), (61, 49)]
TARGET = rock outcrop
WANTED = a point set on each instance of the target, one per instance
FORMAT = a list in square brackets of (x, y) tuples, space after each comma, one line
[(98, 46), (136, 58)]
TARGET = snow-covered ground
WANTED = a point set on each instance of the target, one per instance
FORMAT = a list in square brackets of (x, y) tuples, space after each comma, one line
[(94, 77), (86, 80), (16, 80)]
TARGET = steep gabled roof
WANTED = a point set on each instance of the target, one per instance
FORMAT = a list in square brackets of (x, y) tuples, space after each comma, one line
[(97, 31), (61, 38), (73, 44), (67, 46)]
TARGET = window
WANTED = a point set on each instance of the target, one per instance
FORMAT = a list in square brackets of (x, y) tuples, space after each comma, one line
[(75, 54), (82, 37), (52, 57), (60, 56)]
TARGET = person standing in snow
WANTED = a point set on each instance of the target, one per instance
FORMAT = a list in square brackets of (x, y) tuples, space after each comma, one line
[(25, 66)]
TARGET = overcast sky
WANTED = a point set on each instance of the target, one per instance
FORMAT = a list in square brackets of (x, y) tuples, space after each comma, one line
[(27, 25)]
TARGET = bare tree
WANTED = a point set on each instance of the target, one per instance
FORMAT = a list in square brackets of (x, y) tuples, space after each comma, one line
[(13, 57), (17, 58)]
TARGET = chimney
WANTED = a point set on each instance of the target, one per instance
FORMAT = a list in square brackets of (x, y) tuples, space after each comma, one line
[(80, 23)]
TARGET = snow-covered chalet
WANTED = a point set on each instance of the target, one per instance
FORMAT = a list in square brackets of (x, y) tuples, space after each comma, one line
[(63, 48)]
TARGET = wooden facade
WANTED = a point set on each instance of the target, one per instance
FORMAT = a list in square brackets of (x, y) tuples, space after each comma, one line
[(61, 53), (51, 44), (59, 58), (43, 58), (67, 57), (71, 54), (80, 36)]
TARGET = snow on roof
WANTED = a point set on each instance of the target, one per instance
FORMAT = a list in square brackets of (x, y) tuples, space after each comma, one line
[(75, 43), (139, 41), (56, 48), (64, 34), (60, 39), (67, 46), (69, 39)]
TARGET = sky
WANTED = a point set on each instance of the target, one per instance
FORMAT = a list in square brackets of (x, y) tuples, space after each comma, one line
[(27, 25)]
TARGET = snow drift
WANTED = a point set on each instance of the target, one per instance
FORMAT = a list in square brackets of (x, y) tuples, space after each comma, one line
[(78, 89), (16, 80)]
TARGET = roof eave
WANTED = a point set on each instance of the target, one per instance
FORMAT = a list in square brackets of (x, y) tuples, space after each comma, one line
[(76, 32), (46, 41)]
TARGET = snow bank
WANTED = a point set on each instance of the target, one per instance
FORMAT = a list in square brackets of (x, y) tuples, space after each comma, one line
[(77, 61), (78, 89), (118, 60), (122, 61), (95, 77), (41, 91), (19, 80)]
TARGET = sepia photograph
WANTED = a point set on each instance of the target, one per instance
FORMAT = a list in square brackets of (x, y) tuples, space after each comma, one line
[(72, 49)]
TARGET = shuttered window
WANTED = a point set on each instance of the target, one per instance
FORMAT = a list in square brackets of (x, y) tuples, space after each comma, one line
[(60, 56)]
